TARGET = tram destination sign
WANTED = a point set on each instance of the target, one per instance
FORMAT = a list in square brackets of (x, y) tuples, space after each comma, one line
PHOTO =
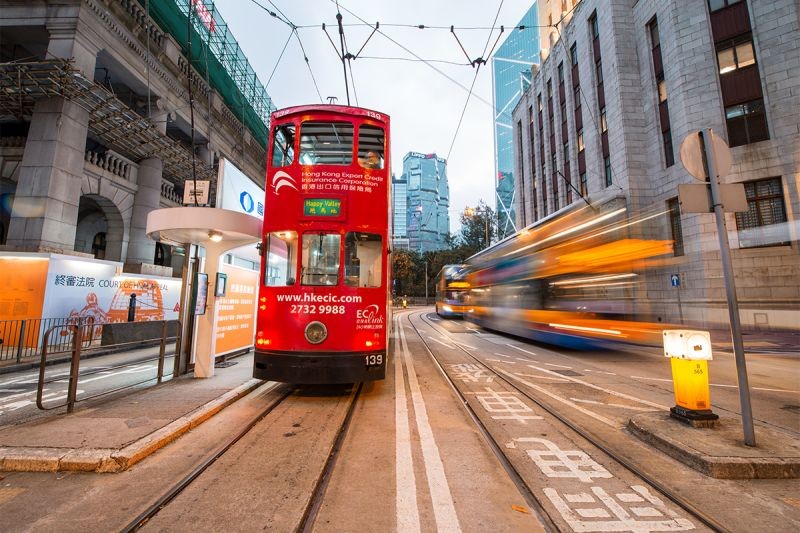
[(322, 207)]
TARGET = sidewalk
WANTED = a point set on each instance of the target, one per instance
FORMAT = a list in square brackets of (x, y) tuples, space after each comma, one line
[(759, 342), (113, 435)]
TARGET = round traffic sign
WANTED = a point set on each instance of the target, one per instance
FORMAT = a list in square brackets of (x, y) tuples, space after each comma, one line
[(692, 155)]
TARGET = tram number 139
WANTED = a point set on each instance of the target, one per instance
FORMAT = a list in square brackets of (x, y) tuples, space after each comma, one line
[(374, 359)]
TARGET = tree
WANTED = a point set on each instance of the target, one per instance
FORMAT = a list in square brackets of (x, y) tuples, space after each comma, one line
[(478, 227), (404, 267)]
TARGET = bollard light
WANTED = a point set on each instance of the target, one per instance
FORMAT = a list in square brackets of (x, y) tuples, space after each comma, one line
[(689, 352)]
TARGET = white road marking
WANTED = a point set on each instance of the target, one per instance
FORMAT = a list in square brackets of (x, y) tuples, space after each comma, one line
[(721, 385), (526, 360), (561, 380), (440, 342), (520, 349), (557, 463), (405, 483), (443, 507), (594, 402), (502, 361), (594, 415), (558, 366), (503, 355), (607, 391)]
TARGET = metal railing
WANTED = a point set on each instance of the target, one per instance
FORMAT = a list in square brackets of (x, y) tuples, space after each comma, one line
[(77, 334), (22, 339)]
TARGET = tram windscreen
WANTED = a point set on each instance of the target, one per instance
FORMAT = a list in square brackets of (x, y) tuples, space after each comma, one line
[(281, 257), (362, 256), (320, 263), (283, 145), (326, 143)]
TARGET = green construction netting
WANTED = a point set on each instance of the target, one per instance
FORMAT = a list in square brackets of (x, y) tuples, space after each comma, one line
[(217, 56)]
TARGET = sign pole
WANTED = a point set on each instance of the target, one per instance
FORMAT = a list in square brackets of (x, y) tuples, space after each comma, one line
[(730, 289)]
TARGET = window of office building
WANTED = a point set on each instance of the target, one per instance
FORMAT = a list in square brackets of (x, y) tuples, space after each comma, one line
[(715, 5), (675, 226), (764, 223), (747, 123), (607, 166), (735, 54)]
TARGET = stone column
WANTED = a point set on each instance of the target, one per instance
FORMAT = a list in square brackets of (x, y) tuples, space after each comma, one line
[(141, 248), (44, 214)]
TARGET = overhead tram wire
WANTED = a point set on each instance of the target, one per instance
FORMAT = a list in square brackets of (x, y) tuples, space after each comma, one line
[(450, 78), (477, 64), (283, 18), (278, 62)]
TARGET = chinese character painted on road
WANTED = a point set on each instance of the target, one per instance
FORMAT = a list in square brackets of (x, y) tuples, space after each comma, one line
[(637, 511), (471, 373), (555, 462), (505, 406)]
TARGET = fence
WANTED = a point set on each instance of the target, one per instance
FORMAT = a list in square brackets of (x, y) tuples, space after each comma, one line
[(22, 340), (76, 334)]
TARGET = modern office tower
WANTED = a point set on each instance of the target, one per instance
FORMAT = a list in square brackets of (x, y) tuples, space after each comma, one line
[(620, 86), (427, 220), (399, 212), (511, 75)]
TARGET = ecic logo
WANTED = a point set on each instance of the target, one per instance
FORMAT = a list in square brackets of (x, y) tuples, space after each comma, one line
[(247, 202)]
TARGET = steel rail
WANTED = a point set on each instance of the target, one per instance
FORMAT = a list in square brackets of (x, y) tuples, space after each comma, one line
[(318, 494), (179, 487), (624, 462)]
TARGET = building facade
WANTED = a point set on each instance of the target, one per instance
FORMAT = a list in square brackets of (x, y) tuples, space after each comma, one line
[(96, 127), (428, 201), (620, 86), (399, 213), (511, 76)]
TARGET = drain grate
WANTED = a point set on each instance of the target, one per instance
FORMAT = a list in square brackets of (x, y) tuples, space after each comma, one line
[(568, 373), (225, 364)]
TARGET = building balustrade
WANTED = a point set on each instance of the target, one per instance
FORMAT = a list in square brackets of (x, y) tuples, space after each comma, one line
[(114, 163), (169, 195)]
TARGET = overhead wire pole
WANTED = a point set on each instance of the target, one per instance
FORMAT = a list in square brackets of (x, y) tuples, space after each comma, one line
[(341, 44), (191, 95)]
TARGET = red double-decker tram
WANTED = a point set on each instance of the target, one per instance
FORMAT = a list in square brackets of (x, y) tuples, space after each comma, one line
[(323, 307)]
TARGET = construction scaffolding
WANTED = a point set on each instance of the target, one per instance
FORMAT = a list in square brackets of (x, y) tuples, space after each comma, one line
[(217, 57), (110, 120)]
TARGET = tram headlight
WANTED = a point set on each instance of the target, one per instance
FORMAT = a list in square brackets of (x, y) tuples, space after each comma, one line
[(316, 332)]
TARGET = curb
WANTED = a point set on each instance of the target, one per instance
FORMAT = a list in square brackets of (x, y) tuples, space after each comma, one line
[(718, 467), (44, 459)]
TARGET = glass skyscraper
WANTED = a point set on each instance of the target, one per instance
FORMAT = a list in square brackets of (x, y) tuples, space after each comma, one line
[(428, 201), (511, 75), (399, 212)]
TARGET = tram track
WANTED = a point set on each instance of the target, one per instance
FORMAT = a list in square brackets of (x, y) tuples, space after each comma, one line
[(169, 495), (529, 493), (301, 519)]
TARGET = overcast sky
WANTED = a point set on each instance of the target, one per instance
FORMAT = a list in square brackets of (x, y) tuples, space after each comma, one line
[(423, 104)]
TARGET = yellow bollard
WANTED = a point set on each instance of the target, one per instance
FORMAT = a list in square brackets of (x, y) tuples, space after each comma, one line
[(689, 352)]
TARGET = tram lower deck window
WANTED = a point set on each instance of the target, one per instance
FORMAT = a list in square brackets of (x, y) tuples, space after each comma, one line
[(320, 263), (281, 258), (363, 259)]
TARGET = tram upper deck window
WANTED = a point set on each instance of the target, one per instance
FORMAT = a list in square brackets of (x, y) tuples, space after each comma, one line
[(320, 264), (370, 146), (326, 143), (362, 259), (283, 145), (281, 258)]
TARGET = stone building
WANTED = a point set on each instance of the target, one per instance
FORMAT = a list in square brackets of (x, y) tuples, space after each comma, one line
[(621, 84), (96, 126)]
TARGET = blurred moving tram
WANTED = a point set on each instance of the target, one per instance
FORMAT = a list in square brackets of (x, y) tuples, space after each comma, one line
[(575, 280), (452, 289)]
